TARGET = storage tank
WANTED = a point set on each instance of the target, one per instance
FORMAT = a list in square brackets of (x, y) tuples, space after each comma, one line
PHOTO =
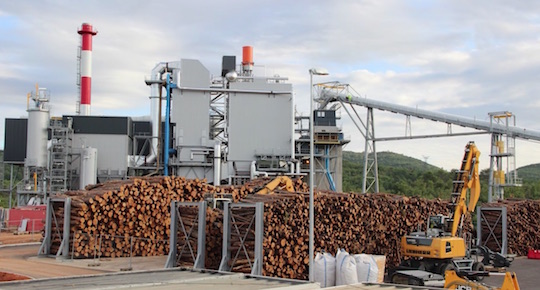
[(88, 167), (36, 145)]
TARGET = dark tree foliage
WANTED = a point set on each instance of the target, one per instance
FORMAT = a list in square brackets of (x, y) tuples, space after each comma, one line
[(399, 174)]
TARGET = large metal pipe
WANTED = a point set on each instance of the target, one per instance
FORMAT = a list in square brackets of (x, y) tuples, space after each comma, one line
[(88, 171), (234, 91), (253, 171), (156, 82), (217, 163), (247, 60)]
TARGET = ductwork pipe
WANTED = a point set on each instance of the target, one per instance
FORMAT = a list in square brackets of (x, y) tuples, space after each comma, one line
[(155, 83), (217, 163), (254, 173)]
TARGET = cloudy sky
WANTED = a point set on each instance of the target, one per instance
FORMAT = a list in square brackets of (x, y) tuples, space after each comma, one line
[(465, 58)]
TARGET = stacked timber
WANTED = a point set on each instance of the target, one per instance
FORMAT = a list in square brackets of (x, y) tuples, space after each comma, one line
[(106, 216), (116, 211), (358, 223), (523, 224)]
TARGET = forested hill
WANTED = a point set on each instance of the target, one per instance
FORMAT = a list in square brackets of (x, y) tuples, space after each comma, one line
[(391, 159), (400, 174)]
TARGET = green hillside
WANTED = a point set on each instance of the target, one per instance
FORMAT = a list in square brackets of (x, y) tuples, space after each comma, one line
[(408, 176), (392, 159), (398, 174), (529, 173)]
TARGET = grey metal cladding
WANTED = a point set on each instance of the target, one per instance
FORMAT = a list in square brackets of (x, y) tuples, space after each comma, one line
[(15, 140), (228, 64), (142, 128), (193, 74), (324, 118), (101, 125)]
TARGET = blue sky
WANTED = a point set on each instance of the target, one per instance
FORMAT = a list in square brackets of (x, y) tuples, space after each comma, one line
[(461, 57)]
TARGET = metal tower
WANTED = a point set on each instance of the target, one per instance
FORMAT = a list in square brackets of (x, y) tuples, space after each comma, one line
[(59, 157), (502, 157)]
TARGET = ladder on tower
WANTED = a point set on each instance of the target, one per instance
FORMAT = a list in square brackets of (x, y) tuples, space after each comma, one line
[(60, 157)]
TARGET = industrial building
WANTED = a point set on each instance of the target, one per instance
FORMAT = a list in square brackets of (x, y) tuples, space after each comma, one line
[(227, 128)]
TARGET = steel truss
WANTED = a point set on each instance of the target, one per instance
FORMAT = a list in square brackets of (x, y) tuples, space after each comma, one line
[(52, 205), (492, 232), (243, 222), (196, 251)]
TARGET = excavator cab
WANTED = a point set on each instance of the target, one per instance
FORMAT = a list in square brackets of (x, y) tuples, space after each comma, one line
[(438, 226)]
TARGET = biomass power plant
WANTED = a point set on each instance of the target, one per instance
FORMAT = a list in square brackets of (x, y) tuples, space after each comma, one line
[(215, 179), (227, 127)]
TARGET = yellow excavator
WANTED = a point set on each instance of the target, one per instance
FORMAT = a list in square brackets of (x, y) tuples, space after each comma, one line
[(453, 280), (441, 246), (281, 182)]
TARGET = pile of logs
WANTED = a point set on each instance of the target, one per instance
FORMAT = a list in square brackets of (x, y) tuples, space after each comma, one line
[(368, 223), (133, 216), (107, 215), (523, 224)]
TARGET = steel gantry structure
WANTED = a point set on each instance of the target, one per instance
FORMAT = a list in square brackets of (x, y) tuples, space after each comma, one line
[(500, 127)]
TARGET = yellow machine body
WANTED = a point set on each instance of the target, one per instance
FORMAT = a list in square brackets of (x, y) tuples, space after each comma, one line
[(442, 243), (433, 247), (454, 281)]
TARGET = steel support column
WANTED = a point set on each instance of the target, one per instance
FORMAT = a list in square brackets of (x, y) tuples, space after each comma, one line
[(64, 245), (370, 181)]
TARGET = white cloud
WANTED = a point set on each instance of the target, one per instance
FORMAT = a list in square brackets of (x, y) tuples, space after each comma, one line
[(460, 57)]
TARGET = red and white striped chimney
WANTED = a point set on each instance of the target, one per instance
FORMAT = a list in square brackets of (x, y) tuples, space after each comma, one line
[(86, 32)]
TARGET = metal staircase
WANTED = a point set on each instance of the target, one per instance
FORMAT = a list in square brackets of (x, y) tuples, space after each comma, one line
[(60, 157)]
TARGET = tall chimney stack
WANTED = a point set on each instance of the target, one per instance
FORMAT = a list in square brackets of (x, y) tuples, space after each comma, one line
[(86, 32)]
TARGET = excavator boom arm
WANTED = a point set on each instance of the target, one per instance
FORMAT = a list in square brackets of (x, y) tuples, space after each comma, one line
[(468, 180), (275, 183)]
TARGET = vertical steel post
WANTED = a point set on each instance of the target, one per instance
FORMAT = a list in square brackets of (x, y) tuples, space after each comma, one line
[(10, 186), (225, 253), (201, 238), (167, 127), (311, 178), (504, 247), (173, 239), (45, 248), (259, 236), (478, 225), (67, 231)]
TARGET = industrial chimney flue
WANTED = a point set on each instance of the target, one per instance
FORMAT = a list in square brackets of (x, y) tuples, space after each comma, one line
[(86, 32)]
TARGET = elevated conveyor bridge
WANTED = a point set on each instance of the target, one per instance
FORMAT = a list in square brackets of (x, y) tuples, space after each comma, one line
[(499, 127)]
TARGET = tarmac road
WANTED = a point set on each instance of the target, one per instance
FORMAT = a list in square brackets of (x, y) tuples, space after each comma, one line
[(22, 260), (16, 259), (527, 271)]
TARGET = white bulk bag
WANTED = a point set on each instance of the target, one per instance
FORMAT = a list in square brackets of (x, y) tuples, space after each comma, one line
[(345, 269), (366, 268), (324, 269)]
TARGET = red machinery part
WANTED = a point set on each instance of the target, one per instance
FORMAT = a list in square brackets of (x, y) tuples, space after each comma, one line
[(533, 254), (35, 216)]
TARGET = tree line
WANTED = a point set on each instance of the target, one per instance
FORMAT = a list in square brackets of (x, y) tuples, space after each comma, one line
[(399, 174)]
